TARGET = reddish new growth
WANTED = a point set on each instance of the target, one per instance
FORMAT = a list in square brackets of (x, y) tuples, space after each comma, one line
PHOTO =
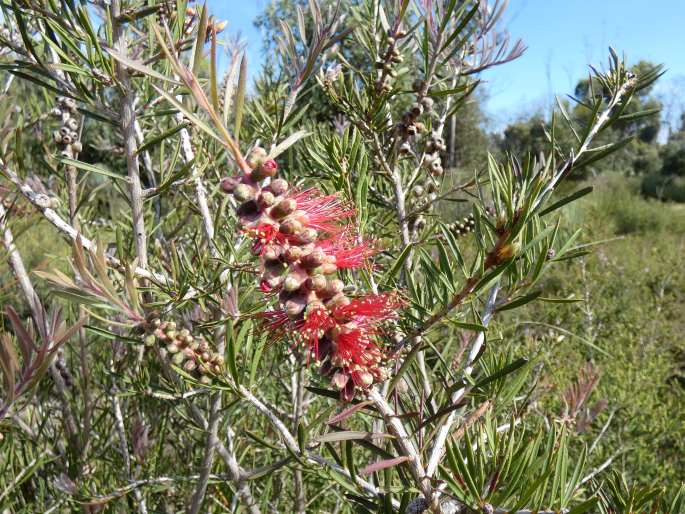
[(303, 238)]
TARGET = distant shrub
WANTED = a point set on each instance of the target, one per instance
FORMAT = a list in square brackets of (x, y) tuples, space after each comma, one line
[(664, 187)]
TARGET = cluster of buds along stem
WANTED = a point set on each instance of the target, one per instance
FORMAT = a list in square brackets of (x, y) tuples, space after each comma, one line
[(388, 60), (191, 353), (67, 137), (303, 238)]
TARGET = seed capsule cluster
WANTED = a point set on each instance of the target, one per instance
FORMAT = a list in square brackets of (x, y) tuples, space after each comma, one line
[(463, 227), (302, 242), (67, 137), (189, 352), (64, 372), (388, 59), (410, 126), (435, 144)]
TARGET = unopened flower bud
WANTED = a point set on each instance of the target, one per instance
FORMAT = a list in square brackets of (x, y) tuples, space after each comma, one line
[(328, 268), (295, 306), (339, 380), (290, 227), (308, 235), (269, 168), (266, 199), (150, 340), (317, 283), (292, 282), (292, 253), (244, 193), (283, 208), (339, 300), (228, 184), (427, 103), (272, 252), (190, 365), (365, 378), (178, 358), (314, 259), (256, 157), (278, 186)]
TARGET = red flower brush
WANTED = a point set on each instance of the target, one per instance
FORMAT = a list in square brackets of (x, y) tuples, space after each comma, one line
[(302, 239)]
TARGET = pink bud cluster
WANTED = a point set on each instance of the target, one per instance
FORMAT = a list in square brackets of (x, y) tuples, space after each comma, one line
[(302, 239)]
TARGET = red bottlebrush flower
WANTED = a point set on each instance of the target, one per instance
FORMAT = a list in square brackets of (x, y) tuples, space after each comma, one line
[(316, 323), (355, 346), (263, 235), (302, 238), (275, 322), (323, 212), (369, 310), (348, 252)]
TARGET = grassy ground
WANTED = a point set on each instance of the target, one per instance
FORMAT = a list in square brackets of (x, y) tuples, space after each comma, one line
[(631, 327)]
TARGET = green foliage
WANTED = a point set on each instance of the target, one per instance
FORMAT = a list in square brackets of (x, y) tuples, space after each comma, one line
[(629, 310)]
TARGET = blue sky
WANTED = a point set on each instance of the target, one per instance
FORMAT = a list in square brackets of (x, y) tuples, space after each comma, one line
[(562, 36)]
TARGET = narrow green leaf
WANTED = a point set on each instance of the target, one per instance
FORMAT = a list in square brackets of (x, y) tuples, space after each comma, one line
[(240, 97), (575, 196)]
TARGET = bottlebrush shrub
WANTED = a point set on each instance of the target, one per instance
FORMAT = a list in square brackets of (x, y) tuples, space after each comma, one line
[(318, 336)]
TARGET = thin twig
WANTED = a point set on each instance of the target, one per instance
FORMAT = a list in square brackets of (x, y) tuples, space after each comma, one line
[(404, 442), (127, 122), (441, 438), (43, 204)]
